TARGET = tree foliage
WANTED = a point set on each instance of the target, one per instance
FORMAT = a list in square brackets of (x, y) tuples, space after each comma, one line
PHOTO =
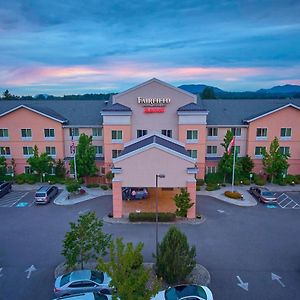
[(208, 93), (8, 96), (182, 202), (175, 259), (3, 166), (60, 170), (275, 163), (247, 165), (40, 164), (85, 157), (85, 240), (129, 276)]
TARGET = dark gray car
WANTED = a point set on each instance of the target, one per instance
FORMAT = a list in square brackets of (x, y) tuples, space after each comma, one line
[(5, 187)]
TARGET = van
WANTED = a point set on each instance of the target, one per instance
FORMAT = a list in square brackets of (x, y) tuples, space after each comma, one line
[(45, 194)]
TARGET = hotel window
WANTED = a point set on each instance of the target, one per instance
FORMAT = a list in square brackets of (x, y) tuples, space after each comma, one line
[(27, 151), (141, 132), (99, 151), (167, 132), (74, 132), (3, 133), (97, 132), (259, 151), (211, 150), (116, 135), (237, 131), (212, 132), (115, 153), (192, 135), (51, 151), (49, 133), (192, 153), (285, 132), (261, 132), (209, 170), (4, 151), (284, 150), (27, 170), (26, 133)]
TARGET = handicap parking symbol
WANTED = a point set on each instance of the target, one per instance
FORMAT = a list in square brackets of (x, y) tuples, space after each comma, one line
[(271, 206), (22, 204)]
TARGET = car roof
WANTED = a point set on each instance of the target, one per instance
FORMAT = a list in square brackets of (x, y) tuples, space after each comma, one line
[(80, 275), (82, 296)]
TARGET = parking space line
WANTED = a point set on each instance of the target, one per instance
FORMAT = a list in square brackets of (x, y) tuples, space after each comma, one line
[(287, 202), (20, 198)]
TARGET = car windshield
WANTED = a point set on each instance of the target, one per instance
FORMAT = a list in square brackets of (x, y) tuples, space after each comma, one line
[(40, 194), (97, 276), (267, 194), (65, 279), (185, 292)]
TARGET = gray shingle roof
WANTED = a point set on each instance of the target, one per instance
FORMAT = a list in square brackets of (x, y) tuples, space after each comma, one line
[(191, 107), (116, 107), (154, 139)]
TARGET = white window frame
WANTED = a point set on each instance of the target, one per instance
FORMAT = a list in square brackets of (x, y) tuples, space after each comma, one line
[(141, 132), (27, 168), (97, 132), (117, 151), (236, 131), (212, 133), (211, 169), (98, 147), (283, 149), (193, 153), (4, 153), (259, 155), (285, 136), (118, 138), (50, 152), (27, 147), (211, 147), (261, 135), (4, 137), (194, 136), (167, 132), (26, 131), (50, 137), (75, 132)]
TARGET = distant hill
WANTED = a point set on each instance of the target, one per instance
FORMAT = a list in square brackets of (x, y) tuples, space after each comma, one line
[(198, 88), (281, 89)]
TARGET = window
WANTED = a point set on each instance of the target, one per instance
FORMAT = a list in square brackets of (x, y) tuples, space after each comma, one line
[(99, 150), (192, 135), (209, 170), (26, 133), (212, 132), (49, 133), (3, 133), (141, 132), (284, 150), (51, 151), (27, 170), (116, 135), (192, 153), (211, 150), (97, 132), (4, 151), (285, 132), (27, 151), (261, 132), (238, 150), (167, 132), (74, 132), (259, 151), (115, 153), (237, 131)]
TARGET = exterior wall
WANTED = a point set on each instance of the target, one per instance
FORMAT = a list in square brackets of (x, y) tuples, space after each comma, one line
[(150, 162), (285, 118), (24, 118)]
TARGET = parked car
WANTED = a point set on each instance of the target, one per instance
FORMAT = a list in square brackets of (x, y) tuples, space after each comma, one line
[(134, 193), (5, 187), (82, 281), (85, 296), (263, 195), (185, 291), (45, 194)]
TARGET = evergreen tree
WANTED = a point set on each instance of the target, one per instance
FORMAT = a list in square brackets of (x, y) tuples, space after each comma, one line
[(175, 259), (182, 202), (3, 166), (247, 165), (275, 163), (60, 170), (208, 93), (129, 276), (85, 240)]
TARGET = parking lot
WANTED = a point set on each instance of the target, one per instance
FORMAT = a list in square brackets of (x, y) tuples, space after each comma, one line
[(288, 200)]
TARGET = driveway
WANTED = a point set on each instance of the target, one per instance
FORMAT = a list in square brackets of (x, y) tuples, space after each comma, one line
[(236, 244)]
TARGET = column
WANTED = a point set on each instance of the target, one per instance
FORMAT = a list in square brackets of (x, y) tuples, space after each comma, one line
[(191, 188), (117, 198)]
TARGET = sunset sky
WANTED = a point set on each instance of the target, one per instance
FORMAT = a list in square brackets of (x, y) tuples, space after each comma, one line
[(92, 46)]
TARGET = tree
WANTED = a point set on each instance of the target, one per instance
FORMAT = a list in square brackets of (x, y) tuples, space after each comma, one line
[(275, 163), (8, 96), (60, 170), (247, 165), (208, 93), (109, 176), (3, 166), (129, 276), (85, 240), (40, 164), (85, 157), (183, 203), (175, 259)]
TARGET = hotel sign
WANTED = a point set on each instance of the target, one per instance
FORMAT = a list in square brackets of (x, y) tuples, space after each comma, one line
[(153, 105)]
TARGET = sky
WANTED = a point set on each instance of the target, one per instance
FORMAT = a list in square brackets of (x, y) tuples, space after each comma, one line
[(93, 46)]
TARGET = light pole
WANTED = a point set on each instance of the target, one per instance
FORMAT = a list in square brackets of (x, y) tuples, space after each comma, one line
[(156, 211)]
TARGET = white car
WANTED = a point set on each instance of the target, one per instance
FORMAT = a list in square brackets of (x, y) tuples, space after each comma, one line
[(85, 296), (185, 292)]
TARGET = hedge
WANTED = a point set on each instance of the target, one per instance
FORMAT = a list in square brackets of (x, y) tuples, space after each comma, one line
[(233, 195), (93, 185), (212, 187), (151, 217), (104, 187)]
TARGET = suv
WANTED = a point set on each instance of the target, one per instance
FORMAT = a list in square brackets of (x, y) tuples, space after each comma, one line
[(5, 187), (263, 195), (45, 194)]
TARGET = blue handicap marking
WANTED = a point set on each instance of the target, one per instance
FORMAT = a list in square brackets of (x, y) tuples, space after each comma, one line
[(271, 206), (22, 204)]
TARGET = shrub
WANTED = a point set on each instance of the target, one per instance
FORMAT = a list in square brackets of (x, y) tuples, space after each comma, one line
[(233, 195), (198, 188), (212, 187), (246, 181), (93, 185), (26, 178), (104, 187), (200, 182), (151, 217), (214, 178), (259, 180), (175, 258), (182, 202), (73, 186)]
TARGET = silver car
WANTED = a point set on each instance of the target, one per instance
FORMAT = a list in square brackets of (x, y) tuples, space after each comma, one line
[(85, 296), (82, 281)]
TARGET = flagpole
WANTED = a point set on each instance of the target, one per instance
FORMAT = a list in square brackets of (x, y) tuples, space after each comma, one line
[(233, 166), (75, 169)]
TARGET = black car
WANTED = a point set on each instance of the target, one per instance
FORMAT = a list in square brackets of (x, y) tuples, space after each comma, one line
[(263, 195), (5, 187)]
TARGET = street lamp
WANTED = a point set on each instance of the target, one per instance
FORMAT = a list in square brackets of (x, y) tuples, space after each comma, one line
[(156, 210)]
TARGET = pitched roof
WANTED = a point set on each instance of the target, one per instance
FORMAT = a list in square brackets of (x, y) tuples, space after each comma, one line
[(116, 107), (191, 107)]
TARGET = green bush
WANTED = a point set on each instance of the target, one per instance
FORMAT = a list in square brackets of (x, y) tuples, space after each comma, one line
[(259, 180), (7, 178), (104, 187), (26, 178), (212, 187), (200, 182), (214, 178), (151, 217), (53, 179), (72, 186), (246, 181), (233, 195), (198, 188), (93, 185)]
